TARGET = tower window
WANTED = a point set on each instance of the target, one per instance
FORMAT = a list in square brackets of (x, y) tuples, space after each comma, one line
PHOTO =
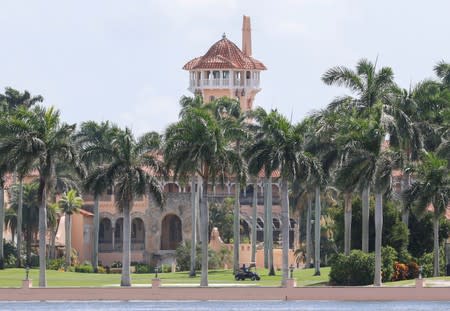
[(216, 74), (225, 74)]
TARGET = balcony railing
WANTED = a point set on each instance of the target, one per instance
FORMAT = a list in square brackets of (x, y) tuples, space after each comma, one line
[(223, 83), (107, 247)]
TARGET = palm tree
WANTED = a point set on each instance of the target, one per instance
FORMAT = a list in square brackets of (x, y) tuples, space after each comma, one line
[(442, 70), (279, 145), (38, 136), (70, 203), (234, 121), (431, 191), (131, 171), (13, 100), (198, 144), (372, 89), (92, 137), (2, 211)]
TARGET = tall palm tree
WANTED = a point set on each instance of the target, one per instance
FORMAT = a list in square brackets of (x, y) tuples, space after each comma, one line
[(234, 121), (198, 144), (373, 89), (279, 145), (70, 203), (92, 137), (442, 70), (131, 171), (38, 136), (13, 100), (431, 190), (2, 211)]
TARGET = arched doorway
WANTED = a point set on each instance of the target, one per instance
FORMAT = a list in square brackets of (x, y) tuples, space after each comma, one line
[(118, 235), (244, 231), (171, 232), (105, 236), (137, 234)]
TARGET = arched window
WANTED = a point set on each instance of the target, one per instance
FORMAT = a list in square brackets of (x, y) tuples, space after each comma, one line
[(137, 234), (118, 234), (171, 232)]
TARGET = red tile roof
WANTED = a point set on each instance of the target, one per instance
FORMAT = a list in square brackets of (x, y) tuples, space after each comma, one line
[(224, 54)]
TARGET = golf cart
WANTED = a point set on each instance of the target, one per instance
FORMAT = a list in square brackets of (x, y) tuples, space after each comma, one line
[(247, 273)]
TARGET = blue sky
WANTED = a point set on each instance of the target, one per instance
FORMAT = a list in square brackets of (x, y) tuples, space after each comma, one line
[(121, 60)]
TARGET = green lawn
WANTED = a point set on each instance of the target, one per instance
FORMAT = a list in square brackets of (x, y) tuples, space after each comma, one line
[(14, 277)]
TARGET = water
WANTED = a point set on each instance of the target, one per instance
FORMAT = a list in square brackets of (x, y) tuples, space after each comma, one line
[(225, 305)]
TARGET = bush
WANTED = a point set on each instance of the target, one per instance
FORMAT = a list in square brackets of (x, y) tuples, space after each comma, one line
[(183, 256), (86, 268), (101, 269), (388, 259), (401, 272), (9, 255), (143, 268), (426, 261), (55, 264), (116, 264), (355, 269), (165, 268)]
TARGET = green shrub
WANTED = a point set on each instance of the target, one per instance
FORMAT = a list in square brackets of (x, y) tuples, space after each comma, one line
[(426, 261), (355, 269), (388, 259), (143, 268), (84, 269), (183, 256), (165, 268), (9, 255), (55, 264)]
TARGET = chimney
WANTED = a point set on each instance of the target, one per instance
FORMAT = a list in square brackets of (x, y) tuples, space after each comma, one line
[(246, 36)]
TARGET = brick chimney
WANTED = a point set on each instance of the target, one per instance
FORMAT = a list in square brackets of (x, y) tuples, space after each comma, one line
[(246, 36)]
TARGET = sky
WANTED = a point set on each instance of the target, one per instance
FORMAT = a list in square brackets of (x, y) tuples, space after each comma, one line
[(122, 60)]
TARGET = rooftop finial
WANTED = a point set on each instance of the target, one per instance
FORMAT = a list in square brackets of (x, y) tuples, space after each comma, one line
[(224, 36)]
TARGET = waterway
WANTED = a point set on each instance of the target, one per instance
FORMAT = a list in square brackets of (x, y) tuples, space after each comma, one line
[(225, 305)]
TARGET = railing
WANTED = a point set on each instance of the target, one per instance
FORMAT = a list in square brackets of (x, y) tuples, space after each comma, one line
[(223, 83), (107, 247)]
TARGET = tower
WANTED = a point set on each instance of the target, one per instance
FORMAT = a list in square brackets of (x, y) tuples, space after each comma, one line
[(225, 70)]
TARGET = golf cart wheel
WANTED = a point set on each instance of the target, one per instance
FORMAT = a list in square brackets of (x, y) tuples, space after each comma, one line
[(253, 278), (237, 278)]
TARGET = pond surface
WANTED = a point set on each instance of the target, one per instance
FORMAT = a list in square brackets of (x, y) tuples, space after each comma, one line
[(225, 305)]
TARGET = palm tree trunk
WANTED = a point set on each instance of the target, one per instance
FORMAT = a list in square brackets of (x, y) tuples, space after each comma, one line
[(29, 237), (254, 219), (266, 226), (194, 226), (68, 228), (236, 227), (2, 220), (42, 235), (19, 224), (96, 232), (52, 249), (126, 251), (436, 246), (285, 228), (347, 222), (365, 219), (308, 232), (269, 209), (317, 233), (204, 217), (378, 235)]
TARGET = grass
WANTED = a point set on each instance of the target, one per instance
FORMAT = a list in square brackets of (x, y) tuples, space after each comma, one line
[(13, 278)]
